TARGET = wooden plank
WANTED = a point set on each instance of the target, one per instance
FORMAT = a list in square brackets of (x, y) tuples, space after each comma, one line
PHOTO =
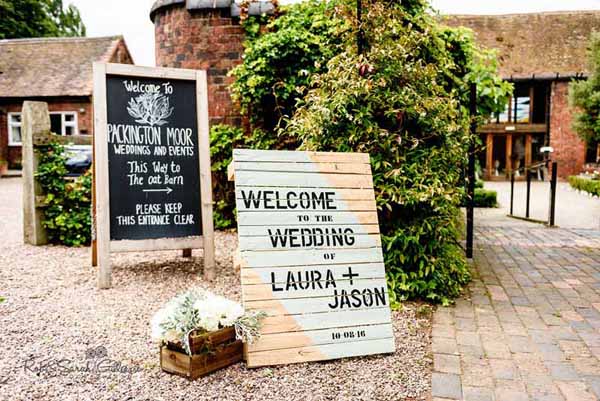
[(307, 167), (320, 353), (313, 218), (294, 205), (322, 337), (316, 180), (262, 292), (101, 177), (250, 155), (250, 259), (307, 241), (159, 244), (150, 72), (314, 321), (261, 275), (261, 231), (205, 175), (343, 194), (297, 306)]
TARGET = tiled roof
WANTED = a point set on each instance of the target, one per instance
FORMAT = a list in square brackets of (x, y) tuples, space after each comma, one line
[(544, 44), (51, 66)]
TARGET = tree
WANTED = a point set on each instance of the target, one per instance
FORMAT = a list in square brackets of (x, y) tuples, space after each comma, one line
[(39, 18), (585, 96)]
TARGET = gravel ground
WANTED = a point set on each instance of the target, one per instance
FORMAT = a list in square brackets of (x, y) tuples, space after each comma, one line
[(51, 315)]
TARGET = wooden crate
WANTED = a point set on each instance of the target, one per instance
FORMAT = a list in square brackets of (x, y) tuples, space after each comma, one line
[(224, 349)]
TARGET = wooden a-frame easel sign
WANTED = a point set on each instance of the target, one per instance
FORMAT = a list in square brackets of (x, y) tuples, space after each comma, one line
[(152, 177)]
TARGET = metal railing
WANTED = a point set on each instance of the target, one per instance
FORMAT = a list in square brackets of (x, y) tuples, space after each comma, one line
[(528, 170)]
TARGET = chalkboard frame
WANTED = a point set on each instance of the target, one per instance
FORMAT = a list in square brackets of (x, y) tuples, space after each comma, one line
[(104, 246)]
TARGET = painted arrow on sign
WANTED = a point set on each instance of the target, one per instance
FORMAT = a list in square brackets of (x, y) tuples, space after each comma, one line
[(167, 190)]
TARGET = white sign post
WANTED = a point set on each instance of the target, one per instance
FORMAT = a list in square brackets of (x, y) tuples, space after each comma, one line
[(310, 256)]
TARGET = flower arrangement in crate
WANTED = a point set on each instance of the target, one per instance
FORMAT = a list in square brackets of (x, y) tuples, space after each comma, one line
[(200, 332)]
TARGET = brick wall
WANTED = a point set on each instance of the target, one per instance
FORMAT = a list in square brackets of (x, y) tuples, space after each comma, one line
[(82, 106), (202, 39), (569, 149)]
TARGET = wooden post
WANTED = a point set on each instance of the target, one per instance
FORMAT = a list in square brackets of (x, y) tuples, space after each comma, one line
[(35, 120), (102, 205), (489, 158), (205, 177), (508, 156)]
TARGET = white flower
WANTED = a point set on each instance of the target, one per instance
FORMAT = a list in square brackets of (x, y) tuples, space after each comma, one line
[(232, 313), (163, 315)]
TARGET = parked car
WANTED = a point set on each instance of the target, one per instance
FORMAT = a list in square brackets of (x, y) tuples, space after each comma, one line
[(79, 159)]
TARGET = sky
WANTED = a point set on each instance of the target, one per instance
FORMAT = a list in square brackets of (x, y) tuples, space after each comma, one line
[(130, 18)]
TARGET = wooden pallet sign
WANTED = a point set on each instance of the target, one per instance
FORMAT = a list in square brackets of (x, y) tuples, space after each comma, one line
[(151, 163), (310, 255)]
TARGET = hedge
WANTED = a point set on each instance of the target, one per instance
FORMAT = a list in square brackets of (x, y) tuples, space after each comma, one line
[(585, 184)]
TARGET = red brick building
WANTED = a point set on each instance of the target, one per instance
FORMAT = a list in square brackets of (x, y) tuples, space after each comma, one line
[(54, 70), (541, 54), (204, 34)]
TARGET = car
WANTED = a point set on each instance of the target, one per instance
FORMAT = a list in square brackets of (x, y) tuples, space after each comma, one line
[(79, 159)]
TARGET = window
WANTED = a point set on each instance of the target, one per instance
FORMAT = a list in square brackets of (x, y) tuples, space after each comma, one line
[(521, 105), (63, 122), (526, 105), (592, 152), (14, 129)]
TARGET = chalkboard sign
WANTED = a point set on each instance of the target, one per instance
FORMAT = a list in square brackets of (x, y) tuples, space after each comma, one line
[(153, 158), (152, 162), (310, 256)]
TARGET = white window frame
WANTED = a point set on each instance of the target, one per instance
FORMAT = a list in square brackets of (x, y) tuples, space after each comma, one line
[(64, 123), (10, 125)]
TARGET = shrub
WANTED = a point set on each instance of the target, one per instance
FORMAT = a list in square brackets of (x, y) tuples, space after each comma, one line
[(223, 139), (67, 217), (404, 109), (280, 59), (584, 95), (485, 198), (585, 184), (403, 101)]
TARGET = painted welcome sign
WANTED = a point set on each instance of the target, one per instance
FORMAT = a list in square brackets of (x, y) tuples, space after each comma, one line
[(311, 256), (152, 163)]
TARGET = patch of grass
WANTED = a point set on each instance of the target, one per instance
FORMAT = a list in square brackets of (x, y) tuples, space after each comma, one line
[(2, 299)]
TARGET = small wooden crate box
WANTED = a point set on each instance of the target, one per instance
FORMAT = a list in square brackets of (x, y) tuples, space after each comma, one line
[(210, 352)]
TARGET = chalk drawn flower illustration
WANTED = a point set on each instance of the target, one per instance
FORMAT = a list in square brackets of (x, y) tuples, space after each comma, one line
[(150, 108)]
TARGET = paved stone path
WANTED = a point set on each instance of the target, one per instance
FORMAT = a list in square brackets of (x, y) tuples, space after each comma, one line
[(528, 327)]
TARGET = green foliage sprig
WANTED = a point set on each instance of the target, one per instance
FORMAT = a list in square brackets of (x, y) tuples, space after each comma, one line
[(67, 216)]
